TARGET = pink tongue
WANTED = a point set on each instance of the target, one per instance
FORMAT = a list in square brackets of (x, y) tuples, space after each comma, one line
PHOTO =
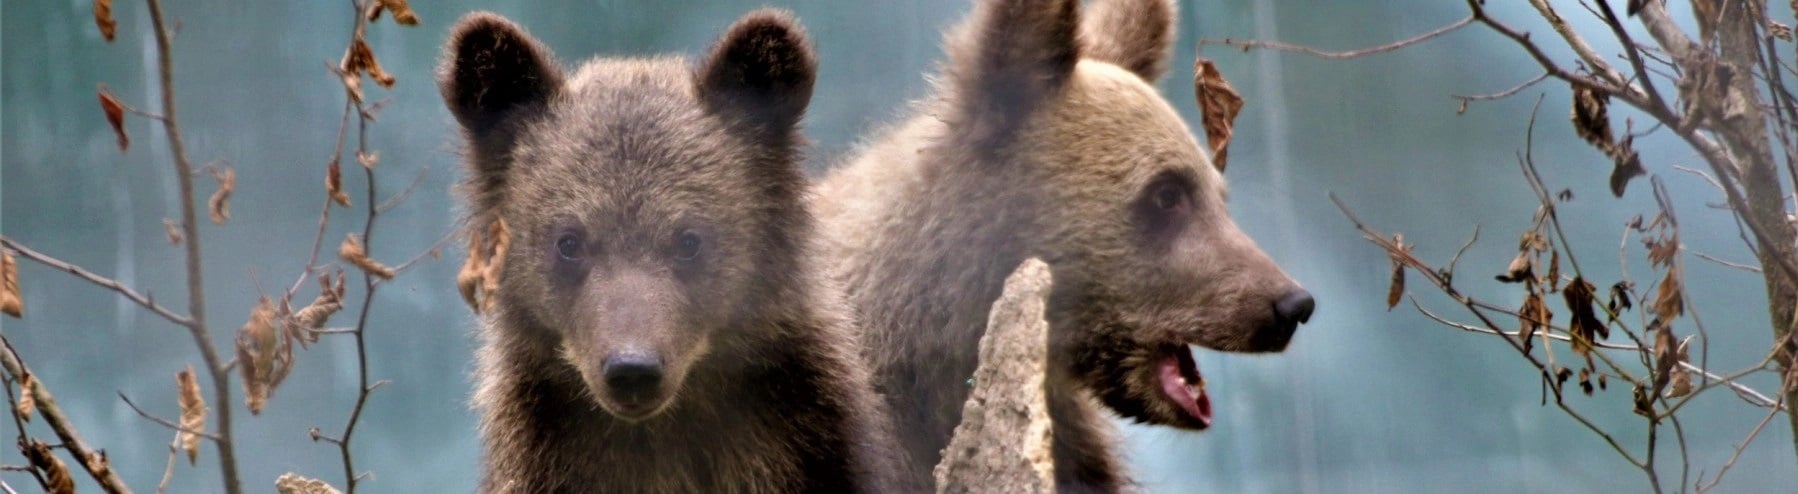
[(1191, 399)]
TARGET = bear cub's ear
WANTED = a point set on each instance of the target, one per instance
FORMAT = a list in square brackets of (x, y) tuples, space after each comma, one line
[(760, 73), (491, 69)]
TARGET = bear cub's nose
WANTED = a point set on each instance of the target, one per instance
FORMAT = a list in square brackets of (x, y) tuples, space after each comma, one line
[(1295, 307), (633, 375)]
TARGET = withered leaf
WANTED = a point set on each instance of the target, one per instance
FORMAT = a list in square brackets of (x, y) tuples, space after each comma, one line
[(260, 356), (361, 60), (1561, 375), (1585, 327), (368, 159), (1554, 271), (1661, 250), (1532, 316), (1218, 106), (1620, 298), (1519, 269), (27, 397), (115, 113), (1669, 299), (1628, 165), (109, 28), (352, 251), (402, 13), (1591, 115), (334, 184), (1644, 401), (12, 303), (173, 231), (1779, 30), (1397, 290), (303, 325), (56, 474), (290, 483), (220, 203), (1681, 381), (193, 413), (1585, 381)]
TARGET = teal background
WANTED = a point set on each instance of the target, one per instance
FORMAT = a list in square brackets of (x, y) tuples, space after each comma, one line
[(1365, 400)]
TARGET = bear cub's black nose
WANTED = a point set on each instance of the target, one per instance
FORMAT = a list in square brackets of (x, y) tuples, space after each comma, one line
[(1295, 307), (633, 374)]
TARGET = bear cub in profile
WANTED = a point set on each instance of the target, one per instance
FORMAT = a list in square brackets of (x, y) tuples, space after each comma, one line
[(658, 328), (1045, 137)]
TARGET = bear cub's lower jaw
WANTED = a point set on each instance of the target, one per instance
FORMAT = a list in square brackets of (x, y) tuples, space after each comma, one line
[(631, 408)]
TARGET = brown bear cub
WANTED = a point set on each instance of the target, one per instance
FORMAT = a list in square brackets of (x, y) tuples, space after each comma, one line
[(1046, 138), (657, 328)]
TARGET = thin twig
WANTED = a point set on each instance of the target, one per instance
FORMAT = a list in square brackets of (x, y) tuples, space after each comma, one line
[(1246, 45), (19, 420), (391, 202), (165, 422), (1467, 98), (89, 276), (1738, 452)]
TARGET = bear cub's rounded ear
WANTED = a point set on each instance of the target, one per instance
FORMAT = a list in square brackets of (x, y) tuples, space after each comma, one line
[(492, 68), (761, 72)]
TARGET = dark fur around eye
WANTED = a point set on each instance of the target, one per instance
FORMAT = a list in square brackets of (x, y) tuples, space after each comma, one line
[(1164, 205)]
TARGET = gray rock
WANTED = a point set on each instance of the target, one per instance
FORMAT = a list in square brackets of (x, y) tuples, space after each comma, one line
[(1003, 442)]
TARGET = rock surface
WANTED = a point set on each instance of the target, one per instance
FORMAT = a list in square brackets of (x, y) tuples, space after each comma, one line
[(1003, 442)]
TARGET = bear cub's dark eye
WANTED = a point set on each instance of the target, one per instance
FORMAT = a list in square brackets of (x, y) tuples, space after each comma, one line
[(568, 246), (687, 246), (1169, 196)]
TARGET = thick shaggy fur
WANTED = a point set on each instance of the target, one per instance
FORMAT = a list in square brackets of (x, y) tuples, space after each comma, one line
[(1046, 139), (656, 216)]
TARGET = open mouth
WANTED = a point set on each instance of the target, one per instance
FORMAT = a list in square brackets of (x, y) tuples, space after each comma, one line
[(1182, 384)]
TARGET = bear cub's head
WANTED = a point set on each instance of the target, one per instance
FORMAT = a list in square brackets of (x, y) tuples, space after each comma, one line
[(654, 204), (1147, 259)]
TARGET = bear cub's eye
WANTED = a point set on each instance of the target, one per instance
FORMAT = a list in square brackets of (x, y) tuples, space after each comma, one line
[(687, 246), (568, 246), (1169, 196)]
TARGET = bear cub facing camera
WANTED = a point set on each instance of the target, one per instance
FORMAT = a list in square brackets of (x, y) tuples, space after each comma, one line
[(657, 327)]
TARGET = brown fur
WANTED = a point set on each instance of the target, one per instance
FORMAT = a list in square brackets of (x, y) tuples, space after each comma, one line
[(656, 214), (1047, 140)]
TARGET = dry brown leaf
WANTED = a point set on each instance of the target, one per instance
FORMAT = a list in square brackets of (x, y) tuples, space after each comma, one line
[(109, 28), (220, 203), (258, 356), (1218, 106), (1669, 300), (56, 474), (361, 60), (115, 113), (496, 263), (27, 397), (12, 303), (1585, 327), (193, 413), (1397, 290), (1518, 270), (368, 159), (1554, 271), (1532, 316), (290, 483), (334, 184), (1627, 165), (1591, 115), (173, 231), (402, 13), (1780, 31), (468, 281), (352, 252), (302, 326)]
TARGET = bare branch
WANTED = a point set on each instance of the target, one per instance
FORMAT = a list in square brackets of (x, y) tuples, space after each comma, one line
[(109, 283), (1246, 45), (1464, 99), (165, 422)]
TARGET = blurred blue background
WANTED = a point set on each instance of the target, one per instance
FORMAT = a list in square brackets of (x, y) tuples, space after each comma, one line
[(1365, 400)]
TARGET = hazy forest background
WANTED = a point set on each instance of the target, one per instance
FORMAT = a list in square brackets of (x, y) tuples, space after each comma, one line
[(1363, 401)]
